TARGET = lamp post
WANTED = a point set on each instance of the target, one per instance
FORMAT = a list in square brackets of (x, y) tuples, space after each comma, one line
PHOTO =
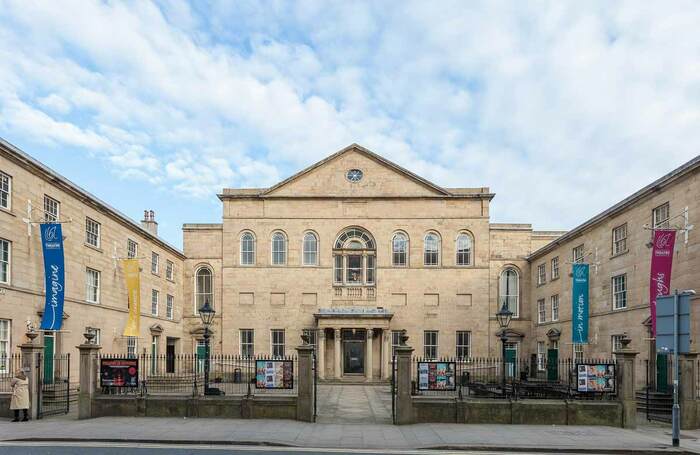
[(206, 313), (503, 317)]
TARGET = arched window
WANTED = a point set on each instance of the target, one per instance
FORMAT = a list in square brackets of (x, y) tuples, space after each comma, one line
[(399, 250), (310, 249), (431, 249), (248, 249), (509, 290), (279, 249), (464, 249), (204, 288), (354, 258)]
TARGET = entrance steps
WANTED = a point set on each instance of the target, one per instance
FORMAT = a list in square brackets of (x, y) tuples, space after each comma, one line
[(58, 395), (658, 405), (353, 381)]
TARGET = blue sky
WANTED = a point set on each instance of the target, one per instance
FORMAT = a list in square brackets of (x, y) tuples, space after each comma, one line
[(562, 108)]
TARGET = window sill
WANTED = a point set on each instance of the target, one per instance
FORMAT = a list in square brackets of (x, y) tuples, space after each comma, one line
[(8, 211), (155, 274), (170, 280), (554, 279), (621, 253), (539, 285), (619, 309), (93, 247)]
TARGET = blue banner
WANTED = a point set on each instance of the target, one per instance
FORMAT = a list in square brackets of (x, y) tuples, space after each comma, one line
[(579, 293), (52, 246)]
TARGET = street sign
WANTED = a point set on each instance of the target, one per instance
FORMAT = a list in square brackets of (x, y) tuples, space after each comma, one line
[(664, 323)]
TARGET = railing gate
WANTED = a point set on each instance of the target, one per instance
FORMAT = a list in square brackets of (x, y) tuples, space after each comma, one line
[(393, 388), (54, 372)]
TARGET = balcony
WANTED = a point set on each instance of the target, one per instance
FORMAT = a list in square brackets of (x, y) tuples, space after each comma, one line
[(366, 293)]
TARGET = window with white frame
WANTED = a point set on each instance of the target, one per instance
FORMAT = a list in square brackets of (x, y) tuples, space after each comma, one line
[(5, 191), (277, 342), (395, 341), (555, 307), (354, 258), (619, 288), (5, 261), (463, 341), (311, 334), (155, 263), (619, 239), (204, 288), (578, 352), (132, 249), (555, 344), (577, 254), (310, 249), (155, 296), (431, 249), (92, 285), (52, 209), (131, 346), (555, 267), (660, 216), (279, 249), (399, 250), (430, 344), (98, 335), (92, 232), (247, 249), (541, 311), (169, 270), (247, 342), (616, 343), (540, 356), (464, 246), (509, 290), (5, 326), (541, 274), (169, 306)]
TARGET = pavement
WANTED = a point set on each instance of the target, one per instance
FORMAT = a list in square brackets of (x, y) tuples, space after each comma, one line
[(353, 404)]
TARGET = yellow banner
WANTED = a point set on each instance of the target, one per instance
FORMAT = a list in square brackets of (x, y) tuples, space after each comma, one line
[(133, 289)]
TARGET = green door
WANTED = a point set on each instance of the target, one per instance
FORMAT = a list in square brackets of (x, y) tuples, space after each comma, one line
[(201, 355), (511, 359), (49, 350), (662, 373), (552, 364)]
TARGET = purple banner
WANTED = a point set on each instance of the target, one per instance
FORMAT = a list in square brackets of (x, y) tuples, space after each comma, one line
[(661, 262)]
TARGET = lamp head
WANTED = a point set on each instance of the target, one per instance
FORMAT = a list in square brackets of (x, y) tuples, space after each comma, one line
[(206, 313), (504, 316)]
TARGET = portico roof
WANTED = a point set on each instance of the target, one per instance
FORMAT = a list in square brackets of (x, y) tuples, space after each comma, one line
[(353, 312)]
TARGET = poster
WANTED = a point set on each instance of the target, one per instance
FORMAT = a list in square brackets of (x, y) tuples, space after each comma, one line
[(598, 378), (274, 374), (436, 376), (119, 372)]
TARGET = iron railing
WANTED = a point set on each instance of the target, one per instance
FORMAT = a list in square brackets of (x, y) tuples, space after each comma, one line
[(8, 367)]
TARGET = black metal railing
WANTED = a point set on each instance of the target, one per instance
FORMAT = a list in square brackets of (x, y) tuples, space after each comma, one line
[(8, 367), (54, 371)]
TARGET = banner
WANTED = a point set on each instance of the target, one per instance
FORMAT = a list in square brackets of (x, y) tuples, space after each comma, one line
[(54, 275), (579, 294), (133, 288), (661, 262)]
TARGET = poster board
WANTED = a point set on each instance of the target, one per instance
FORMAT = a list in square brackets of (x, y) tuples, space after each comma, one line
[(436, 376), (274, 374), (595, 377), (119, 372)]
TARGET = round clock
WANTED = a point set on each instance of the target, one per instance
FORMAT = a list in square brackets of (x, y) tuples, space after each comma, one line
[(354, 175)]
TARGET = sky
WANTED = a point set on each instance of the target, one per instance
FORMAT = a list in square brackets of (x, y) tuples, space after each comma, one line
[(562, 108)]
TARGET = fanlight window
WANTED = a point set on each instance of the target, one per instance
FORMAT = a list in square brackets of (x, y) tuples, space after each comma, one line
[(204, 289), (354, 258), (356, 236), (399, 250), (464, 249), (509, 290), (279, 249), (247, 249)]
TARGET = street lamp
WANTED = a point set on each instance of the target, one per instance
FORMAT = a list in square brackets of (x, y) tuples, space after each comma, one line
[(503, 317), (206, 313)]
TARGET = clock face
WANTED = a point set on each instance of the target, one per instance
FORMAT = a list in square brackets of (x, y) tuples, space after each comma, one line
[(354, 175)]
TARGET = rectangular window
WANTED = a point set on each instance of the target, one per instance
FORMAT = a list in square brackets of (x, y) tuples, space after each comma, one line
[(430, 344), (169, 270), (169, 306), (395, 341), (578, 352), (338, 269), (463, 350), (619, 287), (51, 209), (555, 307), (577, 254), (370, 270), (92, 285), (660, 216), (619, 239), (540, 355), (92, 232), (155, 263), (277, 345), (5, 345), (5, 191), (555, 344), (5, 260), (353, 271), (616, 343), (98, 334), (132, 249), (154, 302), (247, 343), (311, 333), (541, 274), (131, 346), (541, 311), (555, 268)]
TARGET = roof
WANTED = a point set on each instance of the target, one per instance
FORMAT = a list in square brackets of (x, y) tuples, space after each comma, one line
[(621, 206), (23, 159)]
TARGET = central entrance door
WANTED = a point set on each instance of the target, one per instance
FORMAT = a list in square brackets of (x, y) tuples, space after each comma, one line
[(354, 351)]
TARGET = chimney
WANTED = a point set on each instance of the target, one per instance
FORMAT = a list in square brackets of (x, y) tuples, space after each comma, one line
[(149, 222)]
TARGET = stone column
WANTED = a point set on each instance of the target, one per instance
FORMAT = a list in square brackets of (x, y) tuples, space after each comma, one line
[(321, 354), (386, 354), (625, 383), (336, 354), (305, 394), (687, 391), (369, 360), (88, 378), (404, 403), (31, 364)]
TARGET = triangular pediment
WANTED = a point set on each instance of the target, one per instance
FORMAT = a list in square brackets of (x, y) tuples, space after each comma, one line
[(380, 178)]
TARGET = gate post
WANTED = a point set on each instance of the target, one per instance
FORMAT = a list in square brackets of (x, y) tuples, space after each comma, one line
[(31, 362), (305, 394), (625, 381), (688, 391), (404, 403), (88, 378)]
